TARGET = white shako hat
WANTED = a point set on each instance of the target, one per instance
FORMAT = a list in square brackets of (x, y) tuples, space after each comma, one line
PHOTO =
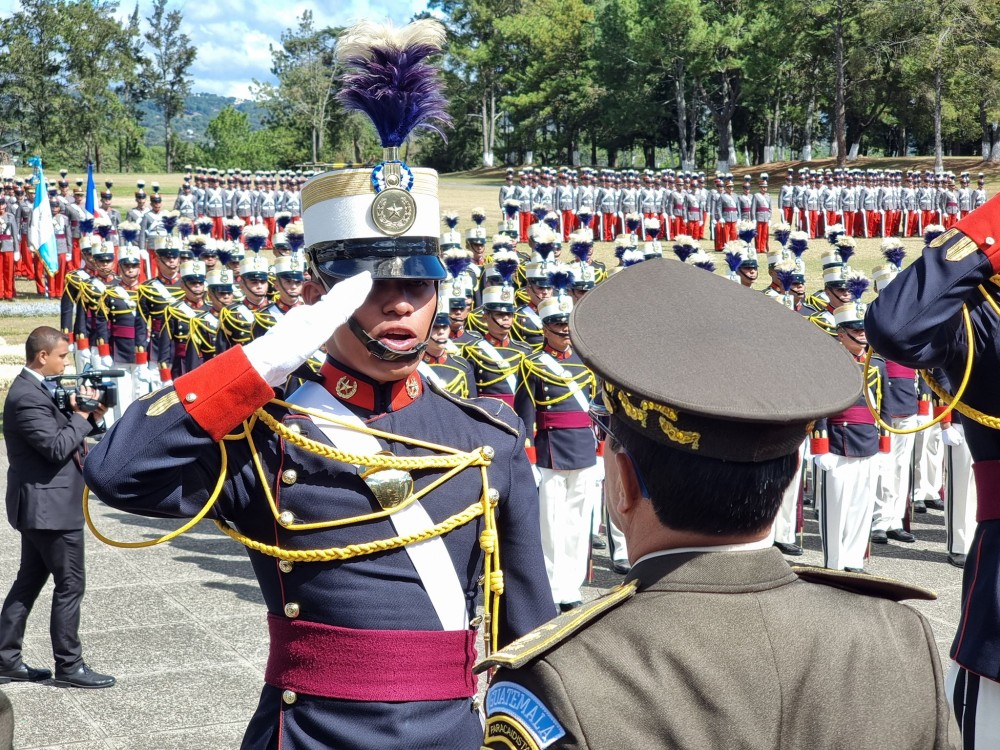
[(219, 278), (383, 220), (193, 269), (290, 265)]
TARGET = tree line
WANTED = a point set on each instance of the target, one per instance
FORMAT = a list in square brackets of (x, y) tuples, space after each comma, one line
[(686, 83)]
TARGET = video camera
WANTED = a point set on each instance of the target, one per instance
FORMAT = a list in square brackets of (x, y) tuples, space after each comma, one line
[(96, 378)]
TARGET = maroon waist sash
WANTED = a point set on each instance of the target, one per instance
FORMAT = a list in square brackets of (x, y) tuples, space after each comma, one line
[(987, 474), (854, 415), (894, 370), (123, 331), (386, 666), (550, 420), (507, 398)]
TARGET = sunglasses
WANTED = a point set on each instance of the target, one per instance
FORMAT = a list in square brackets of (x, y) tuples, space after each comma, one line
[(600, 415)]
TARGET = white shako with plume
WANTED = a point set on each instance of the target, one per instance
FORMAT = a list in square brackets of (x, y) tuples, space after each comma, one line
[(383, 220)]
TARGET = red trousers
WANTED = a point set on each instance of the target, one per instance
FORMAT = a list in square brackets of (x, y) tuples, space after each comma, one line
[(762, 236), (788, 211), (831, 219), (58, 279), (7, 275), (813, 224), (930, 217), (874, 224), (77, 256), (218, 228), (912, 227), (525, 220), (568, 223), (950, 220), (695, 229), (849, 222), (609, 227), (272, 227)]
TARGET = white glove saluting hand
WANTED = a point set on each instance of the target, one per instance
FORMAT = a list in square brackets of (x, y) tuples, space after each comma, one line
[(825, 461), (304, 329), (952, 437)]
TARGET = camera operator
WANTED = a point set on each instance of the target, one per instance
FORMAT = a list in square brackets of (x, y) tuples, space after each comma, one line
[(45, 448)]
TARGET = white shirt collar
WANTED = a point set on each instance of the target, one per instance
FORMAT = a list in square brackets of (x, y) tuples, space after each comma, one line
[(764, 543), (37, 376)]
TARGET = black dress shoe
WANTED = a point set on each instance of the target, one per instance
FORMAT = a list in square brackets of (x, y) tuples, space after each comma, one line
[(567, 606), (901, 535), (621, 568), (880, 537), (934, 504), (84, 677), (919, 506), (789, 549), (597, 542), (957, 559), (24, 673), (854, 570)]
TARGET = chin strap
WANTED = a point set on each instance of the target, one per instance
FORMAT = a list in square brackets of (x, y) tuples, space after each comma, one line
[(380, 350), (860, 343)]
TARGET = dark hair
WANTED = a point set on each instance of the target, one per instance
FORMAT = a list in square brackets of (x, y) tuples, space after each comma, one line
[(707, 495), (42, 339)]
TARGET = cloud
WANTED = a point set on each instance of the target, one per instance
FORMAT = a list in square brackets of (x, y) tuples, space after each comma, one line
[(233, 37)]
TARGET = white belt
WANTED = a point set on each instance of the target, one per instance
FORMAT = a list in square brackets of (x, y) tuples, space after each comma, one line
[(430, 558), (500, 362), (428, 372)]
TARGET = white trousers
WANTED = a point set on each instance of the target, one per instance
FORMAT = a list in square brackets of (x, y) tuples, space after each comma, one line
[(959, 496), (894, 477), (975, 702), (930, 458), (846, 501), (784, 522), (565, 517)]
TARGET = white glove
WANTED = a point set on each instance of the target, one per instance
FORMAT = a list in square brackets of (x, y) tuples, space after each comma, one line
[(304, 329), (95, 356), (952, 437), (144, 374), (83, 357), (72, 347), (825, 461), (17, 256), (107, 362)]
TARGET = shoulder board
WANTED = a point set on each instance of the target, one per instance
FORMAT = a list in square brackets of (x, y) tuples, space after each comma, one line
[(482, 406), (556, 630), (860, 583)]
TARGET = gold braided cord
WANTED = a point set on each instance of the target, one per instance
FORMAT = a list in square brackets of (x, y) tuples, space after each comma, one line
[(935, 386), (354, 550), (171, 535)]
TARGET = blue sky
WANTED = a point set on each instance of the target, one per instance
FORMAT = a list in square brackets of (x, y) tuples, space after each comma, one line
[(232, 36)]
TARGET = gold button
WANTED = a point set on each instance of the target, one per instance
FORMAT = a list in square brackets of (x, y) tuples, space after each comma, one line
[(285, 566), (488, 451), (476, 621), (289, 697), (292, 610), (191, 397), (285, 518), (289, 476)]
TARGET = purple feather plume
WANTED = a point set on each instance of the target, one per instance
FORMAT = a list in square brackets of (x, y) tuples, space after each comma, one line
[(846, 252), (932, 232), (87, 226), (540, 212), (632, 223), (585, 216), (104, 230), (734, 260), (561, 279), (281, 220), (895, 256), (389, 79), (683, 251), (581, 250), (706, 264), (197, 245), (799, 246), (552, 220), (204, 225), (457, 263), (748, 234), (234, 230), (256, 242), (653, 232), (511, 208), (857, 286), (184, 228), (786, 277), (506, 267), (169, 222), (295, 241), (545, 249), (782, 235), (128, 234), (620, 251), (225, 257)]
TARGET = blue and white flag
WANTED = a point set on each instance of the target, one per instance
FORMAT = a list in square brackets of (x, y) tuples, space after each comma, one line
[(91, 203), (42, 232)]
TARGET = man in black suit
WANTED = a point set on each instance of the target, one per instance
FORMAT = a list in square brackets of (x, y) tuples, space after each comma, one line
[(44, 493)]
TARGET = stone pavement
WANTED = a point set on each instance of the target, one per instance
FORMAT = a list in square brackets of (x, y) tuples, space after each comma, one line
[(182, 627)]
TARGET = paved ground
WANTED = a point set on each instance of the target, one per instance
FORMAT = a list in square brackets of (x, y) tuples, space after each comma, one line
[(182, 627)]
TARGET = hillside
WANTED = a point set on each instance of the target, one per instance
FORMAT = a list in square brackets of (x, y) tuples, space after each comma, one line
[(199, 109)]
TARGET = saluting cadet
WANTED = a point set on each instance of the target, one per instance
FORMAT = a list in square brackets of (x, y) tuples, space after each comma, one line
[(122, 333), (919, 321), (683, 654), (393, 622), (10, 251), (555, 399), (846, 453)]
